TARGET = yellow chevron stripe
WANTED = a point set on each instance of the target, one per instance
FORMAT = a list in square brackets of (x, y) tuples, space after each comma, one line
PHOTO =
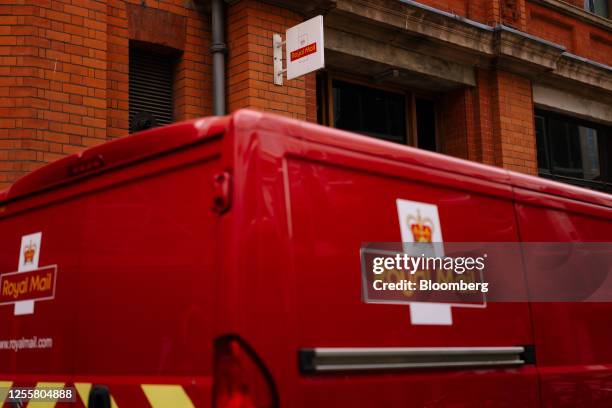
[(46, 404), (83, 391), (167, 395), (4, 387)]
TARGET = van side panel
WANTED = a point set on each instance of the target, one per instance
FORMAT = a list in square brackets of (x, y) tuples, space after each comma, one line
[(305, 210), (327, 232), (572, 339)]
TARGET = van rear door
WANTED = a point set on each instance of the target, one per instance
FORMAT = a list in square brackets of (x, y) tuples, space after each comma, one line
[(39, 269), (133, 240)]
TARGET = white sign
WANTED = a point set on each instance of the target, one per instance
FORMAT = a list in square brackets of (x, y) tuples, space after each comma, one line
[(304, 45), (28, 261), (420, 222)]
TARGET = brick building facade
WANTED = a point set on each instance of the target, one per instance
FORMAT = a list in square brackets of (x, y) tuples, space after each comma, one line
[(522, 84)]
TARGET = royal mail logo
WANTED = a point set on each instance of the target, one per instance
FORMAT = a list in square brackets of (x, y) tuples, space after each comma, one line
[(29, 253), (30, 283), (38, 284), (421, 227), (304, 51), (420, 224)]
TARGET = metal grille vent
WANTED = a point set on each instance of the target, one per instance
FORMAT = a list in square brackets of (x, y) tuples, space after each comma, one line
[(151, 78)]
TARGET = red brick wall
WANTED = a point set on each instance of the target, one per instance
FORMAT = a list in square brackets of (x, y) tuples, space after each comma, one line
[(482, 146), (492, 123), (577, 36), (453, 124), (492, 12), (118, 68), (513, 126), (65, 68), (192, 80), (53, 87), (250, 72), (64, 76)]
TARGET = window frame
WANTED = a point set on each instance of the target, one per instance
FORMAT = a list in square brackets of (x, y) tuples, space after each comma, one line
[(604, 140), (329, 120), (587, 7)]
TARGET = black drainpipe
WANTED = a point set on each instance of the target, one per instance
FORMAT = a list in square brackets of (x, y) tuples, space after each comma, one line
[(218, 50)]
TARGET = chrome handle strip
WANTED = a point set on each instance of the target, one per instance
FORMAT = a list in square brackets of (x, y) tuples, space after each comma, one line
[(393, 358)]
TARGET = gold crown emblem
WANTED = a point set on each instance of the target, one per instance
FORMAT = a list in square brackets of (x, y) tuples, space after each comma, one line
[(29, 252), (421, 228)]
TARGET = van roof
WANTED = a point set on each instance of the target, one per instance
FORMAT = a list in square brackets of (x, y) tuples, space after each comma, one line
[(160, 140), (115, 153)]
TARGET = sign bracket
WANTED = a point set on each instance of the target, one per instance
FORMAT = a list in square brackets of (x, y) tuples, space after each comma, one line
[(304, 50), (277, 44)]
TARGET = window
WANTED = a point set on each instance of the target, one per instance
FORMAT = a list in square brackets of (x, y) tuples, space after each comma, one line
[(599, 7), (370, 111), (382, 110), (574, 151), (151, 83)]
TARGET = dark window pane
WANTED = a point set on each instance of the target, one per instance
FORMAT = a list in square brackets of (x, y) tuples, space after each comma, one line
[(589, 149), (370, 111), (599, 7), (564, 142), (322, 99), (150, 93), (541, 146), (557, 133), (396, 115), (375, 112), (605, 154), (426, 124), (347, 108)]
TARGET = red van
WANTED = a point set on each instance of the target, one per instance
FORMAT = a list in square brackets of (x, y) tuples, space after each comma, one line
[(216, 263)]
